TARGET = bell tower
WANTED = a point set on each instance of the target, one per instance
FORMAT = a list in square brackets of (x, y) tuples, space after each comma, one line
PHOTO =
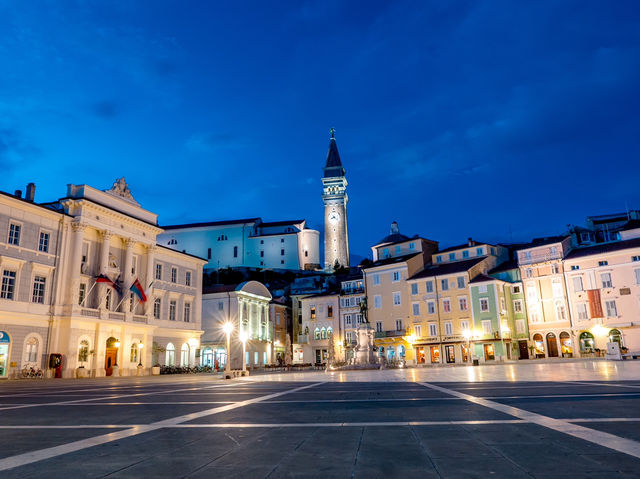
[(334, 196)]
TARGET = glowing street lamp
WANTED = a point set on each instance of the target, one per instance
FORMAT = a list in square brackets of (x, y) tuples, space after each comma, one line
[(140, 346), (243, 337), (227, 328)]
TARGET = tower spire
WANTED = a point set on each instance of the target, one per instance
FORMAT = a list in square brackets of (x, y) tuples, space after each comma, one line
[(333, 167)]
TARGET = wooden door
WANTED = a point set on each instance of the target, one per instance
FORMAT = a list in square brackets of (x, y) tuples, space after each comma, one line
[(110, 360), (524, 350), (552, 345)]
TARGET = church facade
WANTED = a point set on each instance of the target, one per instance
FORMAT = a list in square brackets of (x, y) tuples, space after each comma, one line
[(68, 273), (334, 196)]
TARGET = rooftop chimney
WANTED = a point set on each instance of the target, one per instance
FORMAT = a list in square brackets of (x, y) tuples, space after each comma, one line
[(471, 242), (394, 228), (31, 192), (18, 194)]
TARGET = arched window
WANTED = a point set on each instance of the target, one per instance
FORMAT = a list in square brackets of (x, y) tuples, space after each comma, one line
[(134, 353), (329, 331), (615, 336), (316, 333), (170, 356), (565, 344), (83, 351), (184, 355), (538, 344), (31, 350), (586, 342), (323, 333)]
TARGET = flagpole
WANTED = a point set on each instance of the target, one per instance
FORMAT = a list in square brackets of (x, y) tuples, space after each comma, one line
[(121, 301), (88, 293)]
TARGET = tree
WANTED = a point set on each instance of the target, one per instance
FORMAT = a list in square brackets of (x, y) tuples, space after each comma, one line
[(331, 352), (338, 269), (287, 351)]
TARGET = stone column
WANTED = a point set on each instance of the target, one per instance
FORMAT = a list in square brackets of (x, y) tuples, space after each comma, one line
[(76, 260), (127, 277), (149, 278), (102, 268)]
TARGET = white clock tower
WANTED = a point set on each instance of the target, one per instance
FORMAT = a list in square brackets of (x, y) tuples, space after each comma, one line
[(334, 196)]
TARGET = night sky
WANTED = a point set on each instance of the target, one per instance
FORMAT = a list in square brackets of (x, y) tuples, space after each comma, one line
[(496, 120)]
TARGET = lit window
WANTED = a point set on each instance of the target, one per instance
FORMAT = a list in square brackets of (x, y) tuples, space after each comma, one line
[(31, 350), (463, 304), (446, 305)]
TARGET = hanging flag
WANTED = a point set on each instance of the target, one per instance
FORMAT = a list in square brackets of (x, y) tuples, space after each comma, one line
[(136, 288), (101, 278)]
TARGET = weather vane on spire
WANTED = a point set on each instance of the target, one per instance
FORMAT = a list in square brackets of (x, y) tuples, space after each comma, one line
[(332, 131)]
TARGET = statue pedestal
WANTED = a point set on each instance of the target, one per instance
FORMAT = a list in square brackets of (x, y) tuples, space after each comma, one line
[(364, 354)]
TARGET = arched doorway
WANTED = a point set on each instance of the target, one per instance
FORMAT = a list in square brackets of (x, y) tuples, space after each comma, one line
[(538, 345), (184, 355), (552, 345), (565, 345), (110, 356), (587, 343), (207, 357), (170, 355), (615, 336)]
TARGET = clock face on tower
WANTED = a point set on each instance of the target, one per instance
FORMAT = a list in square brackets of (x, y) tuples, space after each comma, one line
[(334, 217)]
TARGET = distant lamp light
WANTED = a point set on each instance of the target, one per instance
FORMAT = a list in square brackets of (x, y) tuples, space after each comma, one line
[(467, 334), (599, 330), (227, 328)]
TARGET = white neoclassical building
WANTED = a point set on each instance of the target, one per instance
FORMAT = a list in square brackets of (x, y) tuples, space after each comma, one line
[(246, 307), (51, 255)]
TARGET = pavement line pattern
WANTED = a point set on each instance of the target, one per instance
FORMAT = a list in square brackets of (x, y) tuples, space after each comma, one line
[(600, 438), (50, 452), (323, 424), (613, 385), (113, 396)]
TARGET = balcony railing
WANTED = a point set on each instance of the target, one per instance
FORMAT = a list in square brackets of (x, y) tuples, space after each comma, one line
[(390, 334), (116, 316), (137, 318)]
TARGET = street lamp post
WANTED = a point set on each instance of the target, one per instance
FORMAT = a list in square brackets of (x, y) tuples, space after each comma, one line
[(243, 337), (140, 346), (117, 345), (467, 335), (227, 328)]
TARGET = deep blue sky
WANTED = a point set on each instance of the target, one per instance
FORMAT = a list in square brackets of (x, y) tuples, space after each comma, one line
[(497, 120)]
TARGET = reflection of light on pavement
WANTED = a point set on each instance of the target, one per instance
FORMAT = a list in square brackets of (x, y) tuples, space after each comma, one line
[(512, 372), (414, 377), (471, 374), (342, 378)]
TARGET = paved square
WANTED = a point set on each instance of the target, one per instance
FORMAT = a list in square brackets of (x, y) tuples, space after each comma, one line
[(522, 420)]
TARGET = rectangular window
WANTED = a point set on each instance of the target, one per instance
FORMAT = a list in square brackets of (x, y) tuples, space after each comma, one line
[(172, 310), (577, 284), (583, 314), (446, 305), (517, 305), (520, 326), (396, 299), (82, 293), (313, 312), (534, 314), (39, 283), (486, 328), (187, 278), (347, 319), (527, 255), (460, 282), (156, 308), (385, 252), (431, 307), (556, 289), (398, 250), (612, 310), (479, 251), (553, 250), (464, 325), (376, 279), (444, 284), (528, 273), (107, 299), (208, 253), (8, 284), (159, 271), (532, 295), (448, 328), (262, 253), (187, 312), (575, 267), (174, 275), (462, 302), (452, 256), (429, 286), (516, 289), (379, 326), (414, 288), (555, 269), (465, 253), (235, 251), (377, 301), (493, 251), (635, 258), (503, 306), (282, 252), (220, 305), (606, 280), (398, 325), (14, 234), (482, 288), (395, 276), (412, 246), (277, 319), (416, 309), (417, 331), (330, 311), (43, 244), (433, 329), (359, 318), (603, 263), (484, 305), (438, 259), (637, 273)]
